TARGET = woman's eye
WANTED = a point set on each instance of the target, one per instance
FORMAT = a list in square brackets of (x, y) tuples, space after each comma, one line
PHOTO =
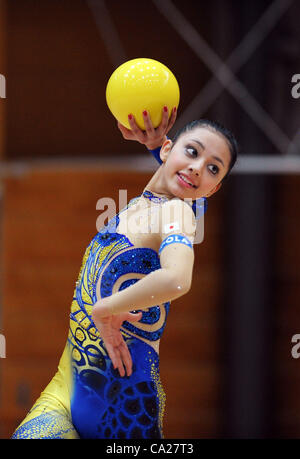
[(191, 150), (214, 169)]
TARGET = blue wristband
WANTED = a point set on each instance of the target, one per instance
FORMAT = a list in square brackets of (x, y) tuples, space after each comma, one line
[(155, 153), (175, 238)]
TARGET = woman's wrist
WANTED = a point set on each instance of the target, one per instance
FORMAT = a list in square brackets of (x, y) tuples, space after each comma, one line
[(156, 145), (102, 308)]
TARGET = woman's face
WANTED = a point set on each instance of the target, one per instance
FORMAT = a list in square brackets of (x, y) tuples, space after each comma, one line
[(203, 156)]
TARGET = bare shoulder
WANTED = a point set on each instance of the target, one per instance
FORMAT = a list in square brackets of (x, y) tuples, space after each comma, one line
[(177, 217)]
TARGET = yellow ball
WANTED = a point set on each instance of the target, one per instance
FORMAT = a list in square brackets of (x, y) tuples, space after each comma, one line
[(138, 85)]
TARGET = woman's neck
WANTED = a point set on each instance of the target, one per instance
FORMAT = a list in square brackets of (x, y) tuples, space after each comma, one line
[(157, 185)]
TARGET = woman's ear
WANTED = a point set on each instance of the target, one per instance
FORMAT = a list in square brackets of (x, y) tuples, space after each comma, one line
[(165, 150), (214, 190)]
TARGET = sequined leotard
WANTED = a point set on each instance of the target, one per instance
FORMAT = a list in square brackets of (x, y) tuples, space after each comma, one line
[(87, 398)]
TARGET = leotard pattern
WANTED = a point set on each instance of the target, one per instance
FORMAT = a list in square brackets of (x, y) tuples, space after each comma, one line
[(87, 398)]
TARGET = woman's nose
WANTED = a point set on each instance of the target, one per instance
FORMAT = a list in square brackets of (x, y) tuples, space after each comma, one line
[(196, 169), (197, 166)]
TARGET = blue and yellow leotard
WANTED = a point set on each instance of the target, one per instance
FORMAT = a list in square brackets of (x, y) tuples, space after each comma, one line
[(87, 398)]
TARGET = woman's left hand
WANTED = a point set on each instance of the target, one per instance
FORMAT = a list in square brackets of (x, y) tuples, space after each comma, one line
[(109, 328)]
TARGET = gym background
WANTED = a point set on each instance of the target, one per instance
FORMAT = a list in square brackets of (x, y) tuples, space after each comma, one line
[(227, 364)]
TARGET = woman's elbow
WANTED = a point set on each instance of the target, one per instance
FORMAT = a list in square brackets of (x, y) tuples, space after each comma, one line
[(182, 285)]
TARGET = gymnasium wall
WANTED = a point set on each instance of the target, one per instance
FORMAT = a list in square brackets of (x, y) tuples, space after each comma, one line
[(56, 132)]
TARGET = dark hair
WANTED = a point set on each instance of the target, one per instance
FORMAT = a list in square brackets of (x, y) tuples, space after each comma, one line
[(219, 128)]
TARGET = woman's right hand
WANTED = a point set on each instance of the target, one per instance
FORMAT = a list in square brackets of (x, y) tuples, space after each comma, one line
[(152, 137), (109, 329)]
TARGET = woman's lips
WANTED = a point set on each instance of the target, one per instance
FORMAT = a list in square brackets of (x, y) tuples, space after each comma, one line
[(182, 182)]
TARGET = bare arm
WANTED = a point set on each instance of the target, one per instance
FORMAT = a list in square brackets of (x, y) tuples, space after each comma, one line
[(174, 277), (157, 287)]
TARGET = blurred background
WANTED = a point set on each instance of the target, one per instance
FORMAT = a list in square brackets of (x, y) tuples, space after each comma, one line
[(226, 360)]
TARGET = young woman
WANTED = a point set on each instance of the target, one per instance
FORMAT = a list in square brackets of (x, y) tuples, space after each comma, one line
[(108, 384)]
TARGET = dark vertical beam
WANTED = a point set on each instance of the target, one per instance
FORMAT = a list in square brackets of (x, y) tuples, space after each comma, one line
[(246, 317), (248, 307), (248, 267)]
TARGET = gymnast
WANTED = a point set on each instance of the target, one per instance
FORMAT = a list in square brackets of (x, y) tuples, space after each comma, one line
[(108, 384)]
